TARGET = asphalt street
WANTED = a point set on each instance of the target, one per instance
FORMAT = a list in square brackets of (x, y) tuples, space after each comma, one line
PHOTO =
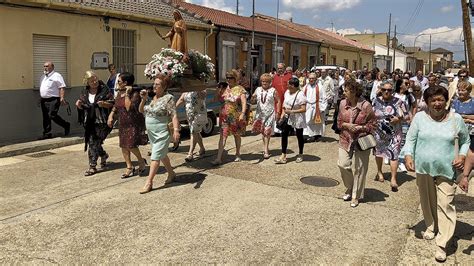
[(241, 212)]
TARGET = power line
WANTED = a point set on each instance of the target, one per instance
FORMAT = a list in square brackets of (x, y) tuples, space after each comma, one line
[(441, 32), (414, 15)]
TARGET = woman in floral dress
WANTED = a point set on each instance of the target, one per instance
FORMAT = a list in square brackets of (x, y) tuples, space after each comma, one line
[(232, 115), (265, 97), (131, 123), (389, 112), (196, 113), (158, 112)]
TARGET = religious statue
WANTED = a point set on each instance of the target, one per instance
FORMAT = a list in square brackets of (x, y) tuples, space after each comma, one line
[(178, 34)]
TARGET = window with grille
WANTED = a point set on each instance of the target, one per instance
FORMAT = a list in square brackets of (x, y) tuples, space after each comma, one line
[(123, 47), (52, 49)]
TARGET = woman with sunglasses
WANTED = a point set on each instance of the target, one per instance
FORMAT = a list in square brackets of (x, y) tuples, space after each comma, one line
[(232, 115), (390, 112)]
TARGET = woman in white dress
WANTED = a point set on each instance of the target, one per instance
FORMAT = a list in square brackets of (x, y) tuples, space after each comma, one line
[(265, 97), (196, 114)]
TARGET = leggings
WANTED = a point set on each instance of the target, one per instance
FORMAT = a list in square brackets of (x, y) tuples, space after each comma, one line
[(284, 139)]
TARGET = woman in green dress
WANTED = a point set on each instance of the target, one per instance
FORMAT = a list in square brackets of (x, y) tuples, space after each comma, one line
[(158, 111)]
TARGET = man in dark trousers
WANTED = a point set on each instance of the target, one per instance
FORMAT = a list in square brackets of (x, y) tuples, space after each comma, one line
[(52, 97)]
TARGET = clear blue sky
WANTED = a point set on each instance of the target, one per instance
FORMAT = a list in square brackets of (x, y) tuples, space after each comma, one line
[(351, 16)]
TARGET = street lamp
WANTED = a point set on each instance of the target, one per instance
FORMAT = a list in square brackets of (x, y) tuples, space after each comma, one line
[(414, 45)]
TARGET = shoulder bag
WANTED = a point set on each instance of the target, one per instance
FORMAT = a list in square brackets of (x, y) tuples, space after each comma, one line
[(366, 142), (283, 122)]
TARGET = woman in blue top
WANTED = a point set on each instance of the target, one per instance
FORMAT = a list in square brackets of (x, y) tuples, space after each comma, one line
[(431, 152)]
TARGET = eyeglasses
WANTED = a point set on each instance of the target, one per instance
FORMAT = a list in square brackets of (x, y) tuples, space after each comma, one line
[(386, 90), (46, 66), (463, 76)]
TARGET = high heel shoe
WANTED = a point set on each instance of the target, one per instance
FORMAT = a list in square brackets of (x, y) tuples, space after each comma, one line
[(148, 187), (141, 170), (170, 179), (130, 172)]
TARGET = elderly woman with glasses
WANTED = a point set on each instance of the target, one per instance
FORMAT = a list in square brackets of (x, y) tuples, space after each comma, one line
[(431, 152), (232, 115), (389, 112), (94, 105)]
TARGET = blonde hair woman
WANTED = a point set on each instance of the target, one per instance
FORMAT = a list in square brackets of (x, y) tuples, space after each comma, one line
[(94, 105), (265, 97)]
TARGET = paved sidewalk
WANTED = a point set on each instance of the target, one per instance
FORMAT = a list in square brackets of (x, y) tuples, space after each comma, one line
[(248, 212)]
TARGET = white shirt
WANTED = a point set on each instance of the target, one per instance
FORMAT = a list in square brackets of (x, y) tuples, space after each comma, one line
[(91, 98), (50, 84), (296, 120), (423, 82)]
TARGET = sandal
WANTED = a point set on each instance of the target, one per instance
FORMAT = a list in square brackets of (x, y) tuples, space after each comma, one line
[(130, 172), (266, 156), (90, 171), (103, 160), (237, 159), (189, 158)]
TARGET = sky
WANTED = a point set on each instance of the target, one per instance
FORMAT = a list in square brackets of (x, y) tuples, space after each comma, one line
[(441, 18)]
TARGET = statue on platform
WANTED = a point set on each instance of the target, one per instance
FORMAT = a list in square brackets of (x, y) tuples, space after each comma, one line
[(178, 34)]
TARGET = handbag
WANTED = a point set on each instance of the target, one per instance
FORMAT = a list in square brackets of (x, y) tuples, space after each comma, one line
[(367, 142), (283, 122)]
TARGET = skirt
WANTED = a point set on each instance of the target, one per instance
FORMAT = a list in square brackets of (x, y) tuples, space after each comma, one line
[(158, 135)]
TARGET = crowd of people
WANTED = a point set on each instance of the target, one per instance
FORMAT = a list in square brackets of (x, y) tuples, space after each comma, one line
[(409, 122)]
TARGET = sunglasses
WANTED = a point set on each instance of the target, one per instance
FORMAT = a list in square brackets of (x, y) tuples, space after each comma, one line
[(386, 90), (462, 76), (229, 77)]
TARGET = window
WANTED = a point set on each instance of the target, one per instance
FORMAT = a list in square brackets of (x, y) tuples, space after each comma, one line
[(296, 62), (228, 57), (123, 46), (49, 48), (333, 58), (323, 59), (354, 65), (312, 61), (346, 63)]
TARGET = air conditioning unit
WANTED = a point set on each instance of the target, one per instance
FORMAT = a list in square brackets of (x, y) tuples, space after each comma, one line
[(245, 46)]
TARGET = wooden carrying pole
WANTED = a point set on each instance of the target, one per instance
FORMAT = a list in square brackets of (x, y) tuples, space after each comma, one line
[(466, 21)]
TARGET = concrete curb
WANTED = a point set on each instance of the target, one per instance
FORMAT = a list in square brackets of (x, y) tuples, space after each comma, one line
[(43, 145)]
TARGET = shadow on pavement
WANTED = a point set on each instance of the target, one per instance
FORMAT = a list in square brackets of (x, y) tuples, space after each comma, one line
[(464, 203), (327, 139), (185, 178), (374, 195)]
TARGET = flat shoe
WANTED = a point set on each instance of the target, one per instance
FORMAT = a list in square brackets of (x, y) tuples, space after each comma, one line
[(346, 197), (266, 156), (428, 235), (394, 187), (238, 159), (147, 188), (299, 159), (354, 203), (280, 161), (440, 254)]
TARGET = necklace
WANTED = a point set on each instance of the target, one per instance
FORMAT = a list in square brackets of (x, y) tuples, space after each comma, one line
[(263, 99)]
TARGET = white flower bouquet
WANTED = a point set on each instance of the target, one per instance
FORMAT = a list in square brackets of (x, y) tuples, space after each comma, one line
[(168, 62), (201, 65)]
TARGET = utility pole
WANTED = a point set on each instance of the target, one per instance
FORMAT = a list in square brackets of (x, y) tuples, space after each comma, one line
[(430, 68), (276, 34), (466, 21), (388, 37), (394, 48), (237, 9)]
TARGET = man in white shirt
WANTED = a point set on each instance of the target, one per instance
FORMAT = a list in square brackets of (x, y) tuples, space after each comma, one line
[(316, 104), (52, 97), (420, 78)]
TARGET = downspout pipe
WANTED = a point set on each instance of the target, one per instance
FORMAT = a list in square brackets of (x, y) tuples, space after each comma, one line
[(206, 39)]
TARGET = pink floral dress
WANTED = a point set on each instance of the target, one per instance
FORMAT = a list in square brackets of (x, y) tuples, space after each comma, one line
[(229, 121)]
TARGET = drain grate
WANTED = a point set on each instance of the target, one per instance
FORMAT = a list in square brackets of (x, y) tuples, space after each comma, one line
[(41, 154), (319, 181)]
